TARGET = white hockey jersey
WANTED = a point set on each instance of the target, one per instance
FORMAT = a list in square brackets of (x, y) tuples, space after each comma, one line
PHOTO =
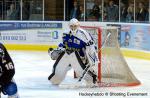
[(82, 42)]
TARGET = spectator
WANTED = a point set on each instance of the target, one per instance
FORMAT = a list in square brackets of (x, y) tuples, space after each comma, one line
[(112, 12), (81, 15), (105, 11), (130, 12), (35, 10), (147, 15), (75, 11), (25, 11), (12, 13), (96, 10), (141, 14), (123, 12), (88, 9)]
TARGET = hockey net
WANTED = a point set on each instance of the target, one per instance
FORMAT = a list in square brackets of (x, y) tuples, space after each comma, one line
[(112, 69)]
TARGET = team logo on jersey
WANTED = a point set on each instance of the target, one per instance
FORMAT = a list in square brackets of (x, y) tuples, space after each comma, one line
[(77, 41), (69, 40)]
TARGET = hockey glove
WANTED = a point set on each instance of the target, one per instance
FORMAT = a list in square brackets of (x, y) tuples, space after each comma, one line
[(54, 54)]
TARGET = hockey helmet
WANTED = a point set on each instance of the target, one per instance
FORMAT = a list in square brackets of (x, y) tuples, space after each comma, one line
[(74, 24)]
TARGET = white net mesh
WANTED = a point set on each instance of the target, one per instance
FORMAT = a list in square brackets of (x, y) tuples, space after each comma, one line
[(113, 69)]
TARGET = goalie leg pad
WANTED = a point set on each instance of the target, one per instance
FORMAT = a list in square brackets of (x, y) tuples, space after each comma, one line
[(60, 68), (93, 75), (79, 67)]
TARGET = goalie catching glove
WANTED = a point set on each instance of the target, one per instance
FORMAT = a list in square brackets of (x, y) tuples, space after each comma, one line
[(54, 53)]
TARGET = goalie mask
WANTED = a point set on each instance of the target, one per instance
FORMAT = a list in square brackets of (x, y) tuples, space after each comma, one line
[(74, 25)]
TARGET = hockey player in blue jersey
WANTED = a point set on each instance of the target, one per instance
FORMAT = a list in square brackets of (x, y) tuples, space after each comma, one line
[(77, 50), (7, 85)]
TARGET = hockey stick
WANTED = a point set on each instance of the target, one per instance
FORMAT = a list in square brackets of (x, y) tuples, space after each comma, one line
[(89, 66)]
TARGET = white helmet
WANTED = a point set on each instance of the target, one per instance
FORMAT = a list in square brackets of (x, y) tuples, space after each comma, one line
[(74, 24)]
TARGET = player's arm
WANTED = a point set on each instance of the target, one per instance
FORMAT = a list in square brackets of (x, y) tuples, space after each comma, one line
[(7, 66), (54, 53), (91, 50)]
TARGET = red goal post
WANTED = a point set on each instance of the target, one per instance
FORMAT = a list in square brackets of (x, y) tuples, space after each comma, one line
[(112, 69), (96, 34)]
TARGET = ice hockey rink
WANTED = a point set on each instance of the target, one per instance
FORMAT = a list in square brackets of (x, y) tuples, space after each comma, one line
[(33, 68)]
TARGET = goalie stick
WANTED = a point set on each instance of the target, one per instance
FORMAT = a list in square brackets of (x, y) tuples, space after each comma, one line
[(88, 65)]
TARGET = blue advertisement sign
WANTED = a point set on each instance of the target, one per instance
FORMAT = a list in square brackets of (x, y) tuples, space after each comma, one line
[(30, 32), (135, 36), (27, 25)]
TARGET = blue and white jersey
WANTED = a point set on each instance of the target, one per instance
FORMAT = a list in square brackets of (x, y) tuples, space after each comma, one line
[(73, 42), (82, 42), (80, 34), (77, 41)]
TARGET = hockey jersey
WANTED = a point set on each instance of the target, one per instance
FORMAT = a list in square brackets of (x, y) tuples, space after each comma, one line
[(7, 70), (77, 41)]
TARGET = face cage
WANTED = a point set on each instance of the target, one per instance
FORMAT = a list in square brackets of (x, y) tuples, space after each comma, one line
[(74, 27)]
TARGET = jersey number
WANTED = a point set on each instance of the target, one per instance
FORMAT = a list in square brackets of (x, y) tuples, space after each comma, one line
[(9, 66)]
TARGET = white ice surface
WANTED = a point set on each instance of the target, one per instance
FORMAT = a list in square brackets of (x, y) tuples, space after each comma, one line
[(33, 68)]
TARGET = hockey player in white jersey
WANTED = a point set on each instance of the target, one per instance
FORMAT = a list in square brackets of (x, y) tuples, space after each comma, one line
[(77, 50), (7, 84)]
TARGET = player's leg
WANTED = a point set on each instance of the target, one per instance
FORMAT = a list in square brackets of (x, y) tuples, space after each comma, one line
[(11, 90), (60, 68), (79, 67)]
